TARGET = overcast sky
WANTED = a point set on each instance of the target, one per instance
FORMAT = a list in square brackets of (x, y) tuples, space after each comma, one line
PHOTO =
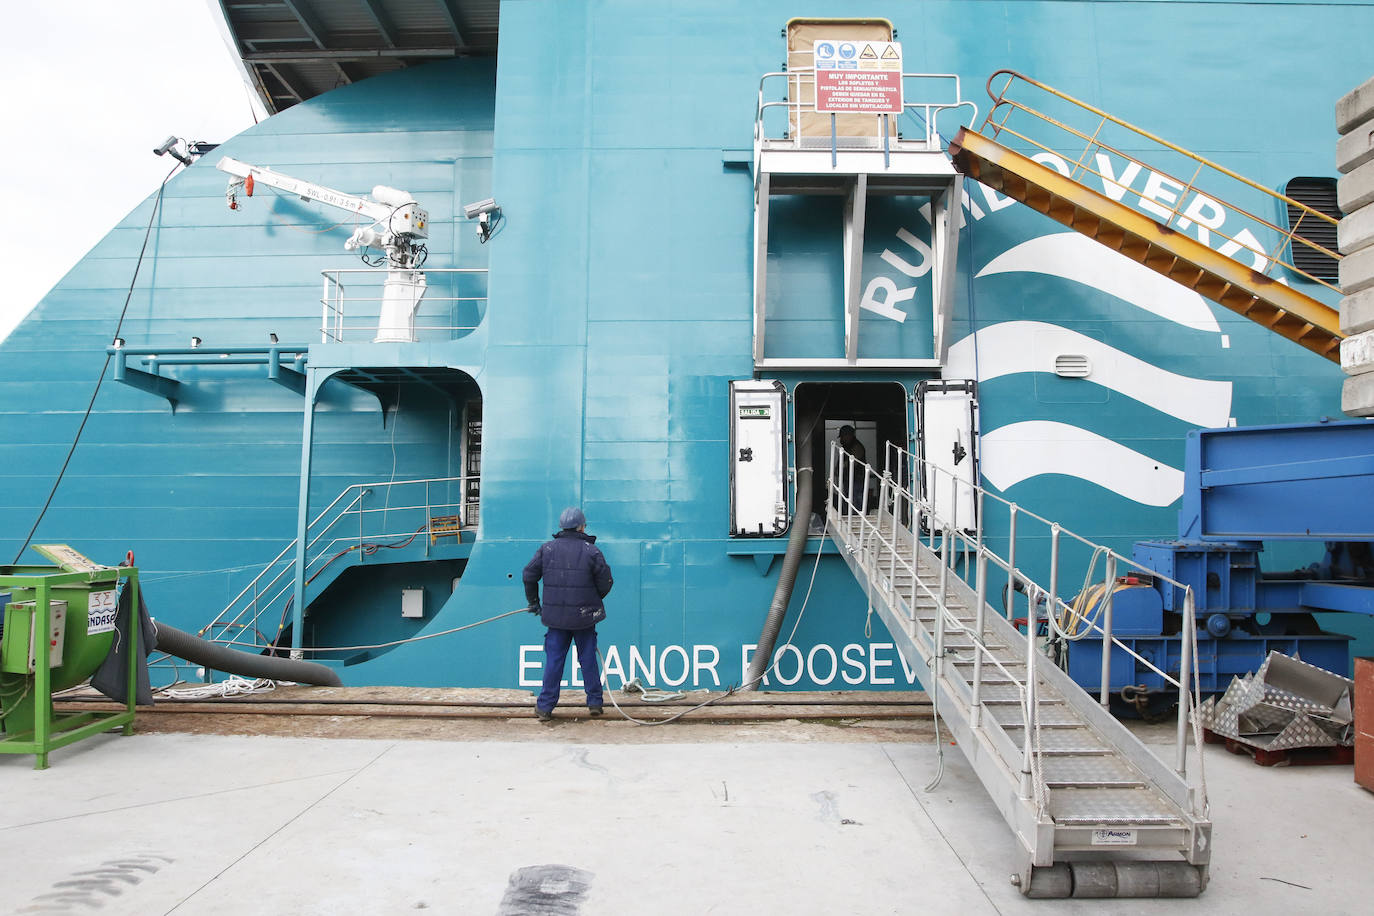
[(90, 88)]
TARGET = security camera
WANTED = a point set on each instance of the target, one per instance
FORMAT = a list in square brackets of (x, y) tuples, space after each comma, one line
[(481, 208), (170, 146)]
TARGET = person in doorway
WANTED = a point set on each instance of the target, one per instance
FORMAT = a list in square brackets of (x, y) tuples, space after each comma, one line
[(576, 579), (851, 444)]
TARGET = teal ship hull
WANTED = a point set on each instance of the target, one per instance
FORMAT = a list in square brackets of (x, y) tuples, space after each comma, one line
[(591, 364)]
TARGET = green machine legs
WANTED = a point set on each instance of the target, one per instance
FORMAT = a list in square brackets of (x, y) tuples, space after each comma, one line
[(58, 628)]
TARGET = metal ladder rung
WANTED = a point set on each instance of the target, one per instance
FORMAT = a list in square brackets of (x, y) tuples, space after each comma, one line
[(970, 645), (1084, 784), (1160, 821), (1083, 751)]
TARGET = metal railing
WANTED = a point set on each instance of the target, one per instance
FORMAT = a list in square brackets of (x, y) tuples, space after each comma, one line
[(915, 127), (365, 518), (452, 304), (891, 514), (1089, 141)]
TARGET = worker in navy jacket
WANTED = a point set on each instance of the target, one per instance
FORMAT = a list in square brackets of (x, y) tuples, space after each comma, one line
[(576, 578)]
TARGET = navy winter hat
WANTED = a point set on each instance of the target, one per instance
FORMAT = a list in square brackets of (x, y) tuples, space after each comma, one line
[(572, 517)]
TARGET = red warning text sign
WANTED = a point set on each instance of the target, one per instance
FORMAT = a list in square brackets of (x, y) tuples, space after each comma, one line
[(858, 76)]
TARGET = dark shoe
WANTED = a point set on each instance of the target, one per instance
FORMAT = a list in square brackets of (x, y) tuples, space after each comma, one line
[(543, 715), (594, 710)]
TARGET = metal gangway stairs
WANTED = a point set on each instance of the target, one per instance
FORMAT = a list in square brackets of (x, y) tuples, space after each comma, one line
[(1177, 214), (1096, 812), (395, 521)]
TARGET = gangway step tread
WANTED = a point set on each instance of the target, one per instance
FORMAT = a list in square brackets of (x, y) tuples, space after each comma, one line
[(1009, 663), (1090, 770), (1110, 806), (962, 643), (1001, 693), (1075, 740), (1009, 714)]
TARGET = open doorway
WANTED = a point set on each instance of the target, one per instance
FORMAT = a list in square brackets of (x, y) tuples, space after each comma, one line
[(876, 410)]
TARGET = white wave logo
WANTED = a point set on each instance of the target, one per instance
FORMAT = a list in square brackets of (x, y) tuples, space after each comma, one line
[(1076, 257), (1030, 448), (1031, 346), (1019, 451)]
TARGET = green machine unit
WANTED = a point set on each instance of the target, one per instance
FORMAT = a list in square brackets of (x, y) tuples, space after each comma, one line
[(59, 626)]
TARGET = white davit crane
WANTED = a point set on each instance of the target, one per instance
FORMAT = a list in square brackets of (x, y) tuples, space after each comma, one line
[(398, 222)]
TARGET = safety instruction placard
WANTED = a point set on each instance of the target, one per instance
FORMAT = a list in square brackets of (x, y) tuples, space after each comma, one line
[(100, 613), (858, 76)]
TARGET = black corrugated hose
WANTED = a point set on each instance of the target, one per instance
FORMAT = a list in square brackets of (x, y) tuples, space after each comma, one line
[(787, 578), (193, 649)]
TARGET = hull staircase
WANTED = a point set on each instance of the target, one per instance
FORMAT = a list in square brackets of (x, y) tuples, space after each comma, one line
[(1191, 237), (406, 521), (1097, 813)]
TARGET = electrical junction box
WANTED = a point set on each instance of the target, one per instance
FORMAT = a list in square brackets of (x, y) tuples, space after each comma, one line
[(412, 602), (758, 459), (19, 652)]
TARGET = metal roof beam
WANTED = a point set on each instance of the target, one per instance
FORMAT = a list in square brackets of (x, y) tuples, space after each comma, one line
[(301, 57), (343, 74), (385, 27), (455, 22), (306, 17), (280, 74)]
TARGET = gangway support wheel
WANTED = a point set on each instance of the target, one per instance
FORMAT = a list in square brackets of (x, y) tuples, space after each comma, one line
[(1116, 879)]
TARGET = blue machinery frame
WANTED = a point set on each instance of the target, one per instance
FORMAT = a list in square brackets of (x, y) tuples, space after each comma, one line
[(1245, 486)]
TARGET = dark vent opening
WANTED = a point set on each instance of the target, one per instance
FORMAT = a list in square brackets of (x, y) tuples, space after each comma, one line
[(1320, 195)]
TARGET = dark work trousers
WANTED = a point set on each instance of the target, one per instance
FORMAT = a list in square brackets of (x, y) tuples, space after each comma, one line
[(555, 657)]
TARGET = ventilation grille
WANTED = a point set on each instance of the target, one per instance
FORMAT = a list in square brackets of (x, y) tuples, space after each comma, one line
[(1320, 195), (1072, 365)]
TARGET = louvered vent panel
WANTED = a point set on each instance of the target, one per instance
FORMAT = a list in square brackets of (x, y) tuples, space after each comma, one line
[(1320, 195), (1072, 365)]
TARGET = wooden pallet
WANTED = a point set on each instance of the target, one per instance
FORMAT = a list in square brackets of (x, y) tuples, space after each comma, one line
[(1295, 756)]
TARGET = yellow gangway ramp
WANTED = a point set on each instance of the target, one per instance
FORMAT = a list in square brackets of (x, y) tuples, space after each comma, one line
[(1088, 170)]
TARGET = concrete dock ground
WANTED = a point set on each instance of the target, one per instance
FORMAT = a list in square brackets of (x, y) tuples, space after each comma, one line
[(601, 817)]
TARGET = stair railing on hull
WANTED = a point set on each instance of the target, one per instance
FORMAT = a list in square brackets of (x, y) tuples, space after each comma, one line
[(451, 305), (785, 111), (905, 510), (1176, 203), (364, 517)]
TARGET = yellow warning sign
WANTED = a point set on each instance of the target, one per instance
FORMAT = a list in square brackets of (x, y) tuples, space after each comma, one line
[(890, 53), (868, 53)]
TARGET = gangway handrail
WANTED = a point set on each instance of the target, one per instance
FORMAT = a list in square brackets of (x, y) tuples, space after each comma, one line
[(894, 497), (1007, 106)]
